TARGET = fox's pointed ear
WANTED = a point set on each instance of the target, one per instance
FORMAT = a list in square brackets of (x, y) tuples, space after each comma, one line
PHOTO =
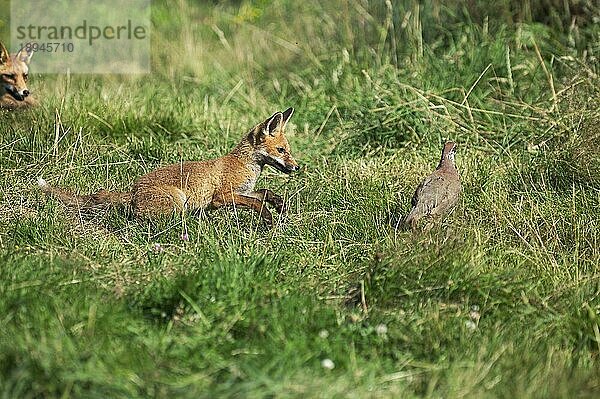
[(4, 55), (25, 54), (274, 123), (287, 114)]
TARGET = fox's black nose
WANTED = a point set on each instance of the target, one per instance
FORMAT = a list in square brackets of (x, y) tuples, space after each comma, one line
[(25, 93)]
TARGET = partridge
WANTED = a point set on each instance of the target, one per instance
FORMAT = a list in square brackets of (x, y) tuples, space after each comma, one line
[(439, 192)]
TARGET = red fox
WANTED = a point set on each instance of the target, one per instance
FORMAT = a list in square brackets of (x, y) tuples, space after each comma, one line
[(15, 70), (228, 180)]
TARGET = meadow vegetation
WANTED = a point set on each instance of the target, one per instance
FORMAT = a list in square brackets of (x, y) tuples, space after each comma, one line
[(501, 300)]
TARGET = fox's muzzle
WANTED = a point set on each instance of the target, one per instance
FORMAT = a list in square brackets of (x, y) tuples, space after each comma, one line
[(283, 165), (291, 166), (285, 168), (17, 95), (294, 168)]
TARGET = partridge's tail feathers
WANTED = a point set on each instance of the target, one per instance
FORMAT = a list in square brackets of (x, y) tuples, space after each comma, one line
[(410, 221)]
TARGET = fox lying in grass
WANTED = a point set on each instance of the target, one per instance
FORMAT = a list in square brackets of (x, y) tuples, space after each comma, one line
[(228, 180), (14, 70)]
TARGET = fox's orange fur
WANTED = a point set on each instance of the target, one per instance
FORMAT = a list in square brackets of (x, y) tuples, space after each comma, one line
[(228, 180), (14, 71)]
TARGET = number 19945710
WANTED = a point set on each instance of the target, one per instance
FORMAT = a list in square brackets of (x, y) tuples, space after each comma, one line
[(48, 47)]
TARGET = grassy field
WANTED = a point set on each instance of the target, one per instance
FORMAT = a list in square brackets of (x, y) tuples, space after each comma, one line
[(502, 300)]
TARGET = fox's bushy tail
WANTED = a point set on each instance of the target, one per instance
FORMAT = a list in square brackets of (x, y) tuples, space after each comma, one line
[(102, 198)]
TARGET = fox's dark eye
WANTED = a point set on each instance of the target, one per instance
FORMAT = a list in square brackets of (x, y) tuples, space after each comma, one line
[(281, 150), (25, 76)]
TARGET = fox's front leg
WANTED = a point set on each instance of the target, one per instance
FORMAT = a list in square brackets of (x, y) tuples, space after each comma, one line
[(230, 198), (270, 197)]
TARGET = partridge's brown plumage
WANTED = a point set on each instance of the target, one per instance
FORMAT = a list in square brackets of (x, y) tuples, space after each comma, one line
[(439, 192)]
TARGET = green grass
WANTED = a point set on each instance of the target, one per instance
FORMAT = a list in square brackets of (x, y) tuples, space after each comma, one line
[(501, 300)]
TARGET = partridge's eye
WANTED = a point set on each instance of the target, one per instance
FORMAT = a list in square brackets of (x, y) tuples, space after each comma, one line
[(281, 150), (9, 76)]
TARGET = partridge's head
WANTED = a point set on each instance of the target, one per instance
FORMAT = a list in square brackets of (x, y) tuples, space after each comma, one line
[(448, 153)]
